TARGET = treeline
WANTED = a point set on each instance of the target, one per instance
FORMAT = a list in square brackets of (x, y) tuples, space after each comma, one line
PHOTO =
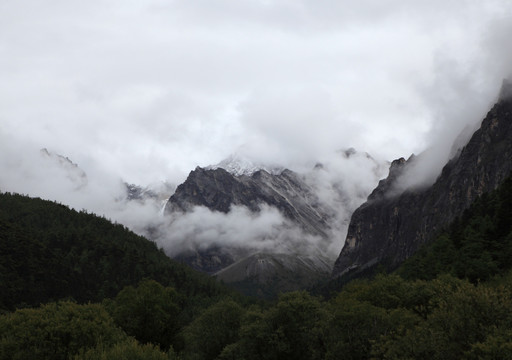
[(453, 300), (386, 318)]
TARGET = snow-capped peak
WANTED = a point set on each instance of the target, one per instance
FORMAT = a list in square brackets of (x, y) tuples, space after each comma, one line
[(239, 165)]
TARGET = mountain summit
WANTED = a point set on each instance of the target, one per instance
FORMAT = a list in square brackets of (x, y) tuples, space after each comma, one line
[(239, 165), (299, 215), (391, 226), (219, 190)]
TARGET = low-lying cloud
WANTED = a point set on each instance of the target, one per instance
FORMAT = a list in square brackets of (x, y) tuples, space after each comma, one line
[(41, 173), (240, 229), (145, 91), (340, 182), (462, 103)]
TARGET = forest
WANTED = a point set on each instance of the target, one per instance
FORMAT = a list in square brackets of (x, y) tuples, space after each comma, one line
[(75, 286)]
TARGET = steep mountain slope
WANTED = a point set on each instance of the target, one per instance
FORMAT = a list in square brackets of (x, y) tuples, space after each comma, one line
[(477, 246), (392, 225), (219, 190), (299, 216), (265, 274)]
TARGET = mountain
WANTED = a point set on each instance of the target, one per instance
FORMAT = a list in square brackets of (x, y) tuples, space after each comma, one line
[(155, 194), (477, 246), (219, 190), (394, 223), (239, 165), (301, 214), (137, 192)]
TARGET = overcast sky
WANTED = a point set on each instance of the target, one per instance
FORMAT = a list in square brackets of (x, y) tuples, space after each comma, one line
[(148, 89)]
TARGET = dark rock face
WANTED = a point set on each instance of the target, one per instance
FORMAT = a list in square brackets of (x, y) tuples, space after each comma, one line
[(266, 275), (389, 228), (218, 190)]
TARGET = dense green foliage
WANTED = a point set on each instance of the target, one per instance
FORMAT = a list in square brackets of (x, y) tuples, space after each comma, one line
[(213, 330), (66, 330), (385, 318), (56, 331), (463, 318), (148, 312), (477, 246), (451, 301), (49, 252), (288, 330), (127, 350)]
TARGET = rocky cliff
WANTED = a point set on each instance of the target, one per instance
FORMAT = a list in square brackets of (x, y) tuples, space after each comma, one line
[(299, 215), (219, 190), (394, 223)]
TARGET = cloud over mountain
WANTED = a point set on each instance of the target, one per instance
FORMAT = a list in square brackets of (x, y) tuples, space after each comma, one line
[(153, 88)]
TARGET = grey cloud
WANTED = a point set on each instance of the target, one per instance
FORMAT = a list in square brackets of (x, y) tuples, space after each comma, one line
[(340, 182), (266, 230), (148, 90), (459, 95), (27, 170)]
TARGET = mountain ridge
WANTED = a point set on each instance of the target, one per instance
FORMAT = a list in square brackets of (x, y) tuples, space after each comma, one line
[(304, 213), (218, 190), (390, 227)]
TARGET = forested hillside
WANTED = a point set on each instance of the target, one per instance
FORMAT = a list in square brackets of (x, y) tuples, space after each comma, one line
[(451, 301), (49, 252)]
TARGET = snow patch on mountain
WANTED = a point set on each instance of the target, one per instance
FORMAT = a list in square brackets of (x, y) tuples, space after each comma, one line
[(239, 165)]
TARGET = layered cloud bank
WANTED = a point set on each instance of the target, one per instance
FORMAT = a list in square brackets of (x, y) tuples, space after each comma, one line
[(150, 89), (340, 184), (145, 91)]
